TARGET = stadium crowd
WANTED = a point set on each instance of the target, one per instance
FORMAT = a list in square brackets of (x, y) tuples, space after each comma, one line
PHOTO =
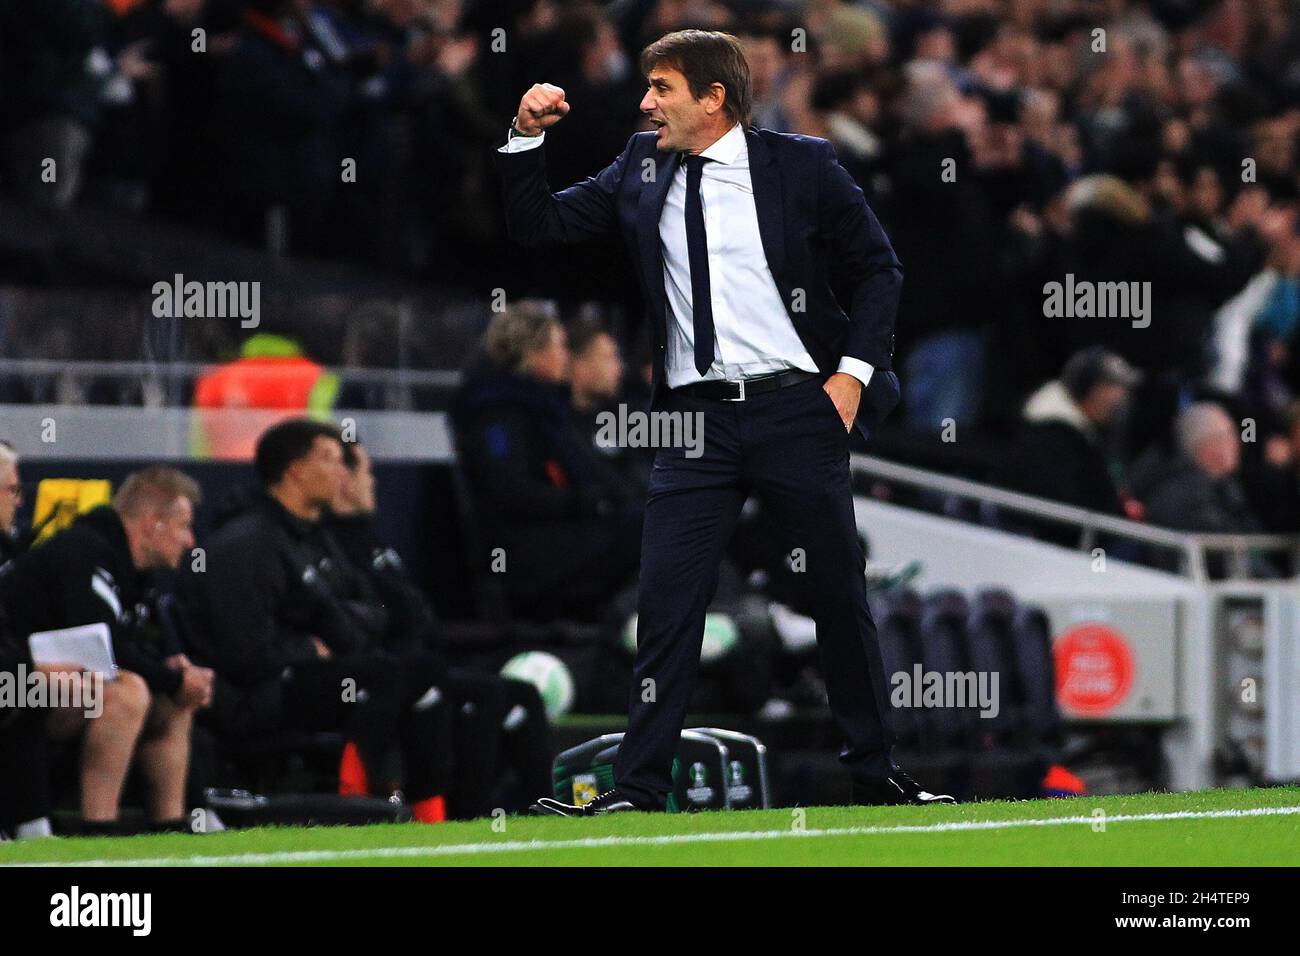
[(1004, 145)]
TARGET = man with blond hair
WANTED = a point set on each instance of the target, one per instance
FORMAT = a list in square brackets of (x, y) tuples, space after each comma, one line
[(98, 571)]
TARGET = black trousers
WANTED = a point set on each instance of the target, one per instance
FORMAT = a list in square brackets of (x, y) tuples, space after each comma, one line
[(479, 739), (790, 447), (403, 703), (503, 744), (24, 766)]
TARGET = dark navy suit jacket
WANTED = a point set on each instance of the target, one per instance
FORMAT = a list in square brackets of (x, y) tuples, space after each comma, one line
[(832, 262)]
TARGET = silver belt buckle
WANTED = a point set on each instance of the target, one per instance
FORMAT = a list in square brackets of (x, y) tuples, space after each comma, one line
[(741, 396)]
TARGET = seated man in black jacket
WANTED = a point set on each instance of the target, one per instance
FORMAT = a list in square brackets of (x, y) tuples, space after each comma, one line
[(504, 734), (569, 536), (98, 570), (293, 632)]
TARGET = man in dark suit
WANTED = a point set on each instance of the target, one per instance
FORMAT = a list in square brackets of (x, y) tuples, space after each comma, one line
[(746, 241)]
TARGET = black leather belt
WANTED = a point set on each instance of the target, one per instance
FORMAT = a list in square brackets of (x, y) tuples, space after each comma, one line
[(737, 391)]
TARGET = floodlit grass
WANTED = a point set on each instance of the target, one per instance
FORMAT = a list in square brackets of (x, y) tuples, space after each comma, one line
[(1214, 828)]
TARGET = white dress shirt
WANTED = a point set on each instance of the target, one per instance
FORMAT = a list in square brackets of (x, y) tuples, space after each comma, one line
[(752, 331)]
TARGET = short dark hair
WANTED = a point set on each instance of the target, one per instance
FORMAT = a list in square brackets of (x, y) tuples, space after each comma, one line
[(286, 442), (706, 57), (350, 457), (583, 332)]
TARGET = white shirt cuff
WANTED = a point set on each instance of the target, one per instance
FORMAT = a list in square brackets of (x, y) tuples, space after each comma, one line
[(519, 143), (857, 368)]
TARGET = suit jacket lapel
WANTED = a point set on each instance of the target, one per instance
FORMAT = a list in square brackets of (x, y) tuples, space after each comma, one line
[(765, 176), (650, 205)]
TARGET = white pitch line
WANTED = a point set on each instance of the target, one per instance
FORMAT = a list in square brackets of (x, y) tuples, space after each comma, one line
[(518, 846)]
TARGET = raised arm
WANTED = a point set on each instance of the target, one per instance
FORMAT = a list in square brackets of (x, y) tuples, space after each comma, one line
[(534, 216)]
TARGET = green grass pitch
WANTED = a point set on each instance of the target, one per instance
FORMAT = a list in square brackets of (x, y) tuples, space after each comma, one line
[(1215, 828)]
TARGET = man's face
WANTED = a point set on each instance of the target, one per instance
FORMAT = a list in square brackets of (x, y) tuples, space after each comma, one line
[(169, 534), (1218, 453), (357, 493), (320, 475), (11, 496), (598, 371), (1105, 399), (1207, 194), (682, 122), (550, 363)]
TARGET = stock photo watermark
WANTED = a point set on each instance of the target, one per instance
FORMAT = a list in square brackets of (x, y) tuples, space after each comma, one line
[(626, 428), (38, 689), (940, 689), (208, 300)]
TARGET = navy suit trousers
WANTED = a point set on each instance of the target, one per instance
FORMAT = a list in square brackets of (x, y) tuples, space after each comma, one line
[(790, 447)]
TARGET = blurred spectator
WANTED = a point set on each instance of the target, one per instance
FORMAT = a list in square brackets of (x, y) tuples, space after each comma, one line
[(849, 108), (1253, 330), (11, 496), (1060, 452), (596, 379), (1198, 488), (571, 536), (768, 76), (280, 106), (52, 65), (947, 296), (149, 51), (595, 366), (1115, 235), (1271, 474), (582, 54)]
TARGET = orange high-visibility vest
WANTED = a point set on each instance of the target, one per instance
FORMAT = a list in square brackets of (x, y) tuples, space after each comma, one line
[(280, 387)]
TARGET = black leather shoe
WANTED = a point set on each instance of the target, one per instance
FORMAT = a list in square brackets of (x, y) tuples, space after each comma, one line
[(611, 801), (898, 789)]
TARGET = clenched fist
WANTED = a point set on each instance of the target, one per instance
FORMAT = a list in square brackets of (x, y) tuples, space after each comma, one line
[(542, 107)]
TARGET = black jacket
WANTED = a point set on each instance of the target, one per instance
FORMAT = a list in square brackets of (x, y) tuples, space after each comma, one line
[(1178, 494), (520, 451), (272, 581), (1053, 460), (1056, 456), (11, 546), (85, 575), (411, 619)]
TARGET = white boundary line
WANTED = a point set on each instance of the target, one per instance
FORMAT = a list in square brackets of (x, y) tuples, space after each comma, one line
[(517, 846)]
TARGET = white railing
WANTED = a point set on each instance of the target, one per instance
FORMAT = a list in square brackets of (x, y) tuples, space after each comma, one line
[(1193, 550)]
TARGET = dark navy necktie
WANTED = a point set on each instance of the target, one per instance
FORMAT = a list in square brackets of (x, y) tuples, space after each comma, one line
[(697, 252)]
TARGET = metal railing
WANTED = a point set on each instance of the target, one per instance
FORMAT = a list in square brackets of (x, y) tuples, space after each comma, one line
[(992, 503), (1193, 550), (156, 379)]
